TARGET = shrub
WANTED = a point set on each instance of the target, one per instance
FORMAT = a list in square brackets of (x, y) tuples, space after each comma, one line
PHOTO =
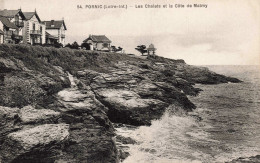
[(85, 45), (74, 45)]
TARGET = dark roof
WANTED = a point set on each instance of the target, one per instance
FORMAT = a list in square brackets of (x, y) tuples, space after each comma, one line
[(8, 13), (98, 38), (29, 15), (1, 32), (11, 13), (7, 23), (151, 47), (55, 24)]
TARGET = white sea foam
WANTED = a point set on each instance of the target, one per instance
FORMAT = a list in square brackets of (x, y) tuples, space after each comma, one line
[(166, 140), (229, 128)]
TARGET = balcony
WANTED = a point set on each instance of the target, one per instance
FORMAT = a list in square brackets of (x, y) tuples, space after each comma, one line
[(36, 32), (19, 24), (17, 37), (62, 35)]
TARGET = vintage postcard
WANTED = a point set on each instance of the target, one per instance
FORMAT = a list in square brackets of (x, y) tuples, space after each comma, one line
[(132, 81)]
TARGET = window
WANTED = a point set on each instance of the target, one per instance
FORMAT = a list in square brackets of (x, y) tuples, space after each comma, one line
[(105, 45), (33, 26)]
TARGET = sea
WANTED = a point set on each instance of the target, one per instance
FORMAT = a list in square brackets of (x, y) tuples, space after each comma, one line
[(224, 126)]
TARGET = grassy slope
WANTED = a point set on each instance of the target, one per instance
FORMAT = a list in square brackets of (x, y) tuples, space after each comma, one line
[(71, 60)]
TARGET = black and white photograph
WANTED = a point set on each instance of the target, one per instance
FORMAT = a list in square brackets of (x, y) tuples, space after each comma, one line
[(129, 81)]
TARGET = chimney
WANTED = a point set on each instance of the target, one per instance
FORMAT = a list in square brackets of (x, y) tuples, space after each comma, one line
[(52, 23)]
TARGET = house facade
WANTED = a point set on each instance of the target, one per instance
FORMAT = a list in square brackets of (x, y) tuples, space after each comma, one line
[(1, 31), (98, 42), (55, 31), (12, 23), (34, 29)]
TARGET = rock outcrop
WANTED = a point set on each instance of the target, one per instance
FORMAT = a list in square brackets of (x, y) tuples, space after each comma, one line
[(47, 115), (91, 132), (252, 159), (135, 95), (26, 145), (8, 120)]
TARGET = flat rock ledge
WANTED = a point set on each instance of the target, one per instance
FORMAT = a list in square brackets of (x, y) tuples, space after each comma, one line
[(29, 114), (126, 98)]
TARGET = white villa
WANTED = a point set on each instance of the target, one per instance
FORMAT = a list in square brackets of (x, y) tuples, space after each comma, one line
[(34, 29), (55, 31)]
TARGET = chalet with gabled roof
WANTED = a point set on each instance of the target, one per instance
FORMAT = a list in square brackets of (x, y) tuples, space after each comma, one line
[(98, 42), (34, 29)]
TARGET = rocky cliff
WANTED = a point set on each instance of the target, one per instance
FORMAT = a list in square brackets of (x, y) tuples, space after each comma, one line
[(58, 105)]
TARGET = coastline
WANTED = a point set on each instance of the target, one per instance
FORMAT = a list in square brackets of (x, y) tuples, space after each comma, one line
[(109, 87)]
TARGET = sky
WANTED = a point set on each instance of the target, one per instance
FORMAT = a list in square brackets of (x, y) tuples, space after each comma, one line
[(227, 32)]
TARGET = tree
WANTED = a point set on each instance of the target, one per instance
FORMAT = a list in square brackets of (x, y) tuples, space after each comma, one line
[(119, 49), (68, 45), (75, 45), (142, 49)]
